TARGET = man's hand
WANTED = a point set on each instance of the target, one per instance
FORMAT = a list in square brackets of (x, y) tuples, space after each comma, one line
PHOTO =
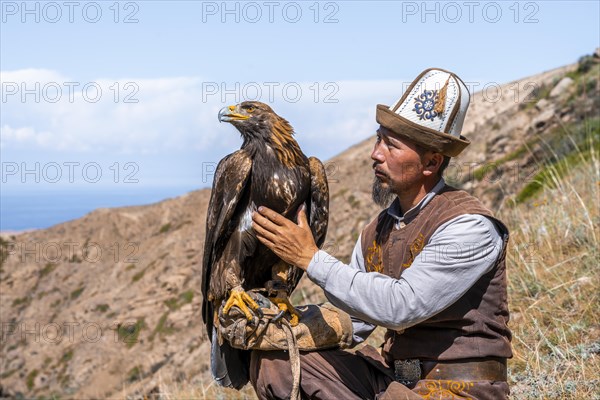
[(292, 243)]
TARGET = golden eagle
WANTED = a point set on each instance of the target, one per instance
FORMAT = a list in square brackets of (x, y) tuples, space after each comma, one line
[(269, 170)]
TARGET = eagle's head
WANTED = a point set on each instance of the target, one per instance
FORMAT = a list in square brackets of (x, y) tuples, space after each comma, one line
[(255, 120)]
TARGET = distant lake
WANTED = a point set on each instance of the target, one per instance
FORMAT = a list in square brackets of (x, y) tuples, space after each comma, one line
[(28, 209)]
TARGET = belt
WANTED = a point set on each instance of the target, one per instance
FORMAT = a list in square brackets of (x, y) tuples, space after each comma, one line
[(408, 372)]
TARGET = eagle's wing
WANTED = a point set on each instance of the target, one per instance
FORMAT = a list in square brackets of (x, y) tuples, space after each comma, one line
[(319, 200), (229, 366), (318, 213), (229, 183)]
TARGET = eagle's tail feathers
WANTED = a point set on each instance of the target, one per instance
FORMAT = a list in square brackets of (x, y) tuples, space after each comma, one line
[(229, 366)]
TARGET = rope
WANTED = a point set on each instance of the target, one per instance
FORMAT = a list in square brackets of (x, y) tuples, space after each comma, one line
[(239, 334), (294, 359)]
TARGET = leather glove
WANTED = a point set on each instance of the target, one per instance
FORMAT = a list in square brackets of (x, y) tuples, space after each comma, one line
[(320, 327)]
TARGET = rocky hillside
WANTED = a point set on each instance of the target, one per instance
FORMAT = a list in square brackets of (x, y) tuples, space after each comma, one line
[(109, 305)]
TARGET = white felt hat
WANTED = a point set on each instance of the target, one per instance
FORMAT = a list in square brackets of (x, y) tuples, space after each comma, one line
[(431, 112)]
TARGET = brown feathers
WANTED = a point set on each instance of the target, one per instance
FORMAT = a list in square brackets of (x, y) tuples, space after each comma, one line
[(286, 148)]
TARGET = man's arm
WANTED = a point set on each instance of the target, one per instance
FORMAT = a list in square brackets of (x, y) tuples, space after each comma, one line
[(457, 255), (360, 329)]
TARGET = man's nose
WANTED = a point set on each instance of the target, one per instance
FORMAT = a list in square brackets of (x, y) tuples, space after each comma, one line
[(377, 155)]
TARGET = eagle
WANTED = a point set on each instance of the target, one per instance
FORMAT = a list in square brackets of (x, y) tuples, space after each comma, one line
[(268, 170)]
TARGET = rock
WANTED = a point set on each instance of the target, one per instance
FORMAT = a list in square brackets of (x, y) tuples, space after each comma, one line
[(561, 86), (584, 280), (40, 380), (543, 104), (542, 119), (597, 52), (501, 142)]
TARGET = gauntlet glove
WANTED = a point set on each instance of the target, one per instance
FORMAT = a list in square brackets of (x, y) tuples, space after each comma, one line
[(321, 327)]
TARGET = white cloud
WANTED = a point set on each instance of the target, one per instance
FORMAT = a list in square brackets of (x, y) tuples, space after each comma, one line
[(24, 135), (171, 115), (30, 75)]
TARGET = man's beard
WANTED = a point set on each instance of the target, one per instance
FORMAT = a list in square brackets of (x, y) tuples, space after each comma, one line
[(382, 195)]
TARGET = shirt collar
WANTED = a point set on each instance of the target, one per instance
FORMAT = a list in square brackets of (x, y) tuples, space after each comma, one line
[(395, 211)]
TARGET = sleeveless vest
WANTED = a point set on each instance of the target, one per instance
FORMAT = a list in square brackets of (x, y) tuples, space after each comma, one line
[(476, 324)]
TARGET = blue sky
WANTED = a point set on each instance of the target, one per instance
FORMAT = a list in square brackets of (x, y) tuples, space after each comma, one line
[(165, 69)]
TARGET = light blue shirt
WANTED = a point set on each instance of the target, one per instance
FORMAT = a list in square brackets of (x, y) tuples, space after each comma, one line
[(458, 253)]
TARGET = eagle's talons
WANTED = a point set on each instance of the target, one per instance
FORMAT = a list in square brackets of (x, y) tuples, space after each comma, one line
[(275, 287), (285, 306), (278, 316), (240, 298)]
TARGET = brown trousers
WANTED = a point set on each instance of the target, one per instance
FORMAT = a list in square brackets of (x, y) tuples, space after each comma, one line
[(338, 374)]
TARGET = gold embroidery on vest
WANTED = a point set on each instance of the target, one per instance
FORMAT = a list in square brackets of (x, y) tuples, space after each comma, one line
[(444, 389), (374, 258), (415, 248)]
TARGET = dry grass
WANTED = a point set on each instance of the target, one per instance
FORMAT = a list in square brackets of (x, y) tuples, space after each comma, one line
[(205, 391), (553, 263)]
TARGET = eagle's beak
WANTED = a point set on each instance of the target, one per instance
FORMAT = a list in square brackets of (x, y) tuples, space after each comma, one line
[(228, 114)]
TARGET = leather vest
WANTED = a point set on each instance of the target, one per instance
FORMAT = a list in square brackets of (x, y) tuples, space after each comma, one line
[(476, 324)]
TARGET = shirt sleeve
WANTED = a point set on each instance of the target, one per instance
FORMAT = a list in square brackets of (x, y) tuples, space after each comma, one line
[(456, 256), (360, 329)]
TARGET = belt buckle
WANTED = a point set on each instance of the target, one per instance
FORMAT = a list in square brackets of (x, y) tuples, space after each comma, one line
[(407, 372)]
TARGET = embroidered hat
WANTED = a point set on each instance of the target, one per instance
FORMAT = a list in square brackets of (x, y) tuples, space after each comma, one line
[(431, 112)]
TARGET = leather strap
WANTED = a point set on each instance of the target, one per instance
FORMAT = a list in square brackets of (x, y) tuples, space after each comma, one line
[(465, 370)]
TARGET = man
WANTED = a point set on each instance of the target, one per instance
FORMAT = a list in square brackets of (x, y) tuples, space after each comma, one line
[(430, 268)]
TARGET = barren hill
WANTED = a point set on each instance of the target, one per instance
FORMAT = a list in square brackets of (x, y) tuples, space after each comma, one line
[(109, 305)]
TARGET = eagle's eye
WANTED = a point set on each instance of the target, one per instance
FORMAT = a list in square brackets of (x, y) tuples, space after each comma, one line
[(249, 109)]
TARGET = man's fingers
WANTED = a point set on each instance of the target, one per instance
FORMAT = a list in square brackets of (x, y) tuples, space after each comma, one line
[(266, 241), (302, 220), (260, 231), (286, 255), (263, 222), (272, 215)]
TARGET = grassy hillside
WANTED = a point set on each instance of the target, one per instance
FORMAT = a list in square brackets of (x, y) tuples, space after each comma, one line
[(553, 282)]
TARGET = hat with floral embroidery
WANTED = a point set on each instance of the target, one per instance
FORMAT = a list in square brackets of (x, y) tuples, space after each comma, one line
[(431, 112)]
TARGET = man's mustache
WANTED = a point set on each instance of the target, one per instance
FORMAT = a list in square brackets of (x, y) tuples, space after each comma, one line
[(378, 170)]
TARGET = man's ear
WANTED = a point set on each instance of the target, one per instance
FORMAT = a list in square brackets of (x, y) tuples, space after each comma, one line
[(433, 162)]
